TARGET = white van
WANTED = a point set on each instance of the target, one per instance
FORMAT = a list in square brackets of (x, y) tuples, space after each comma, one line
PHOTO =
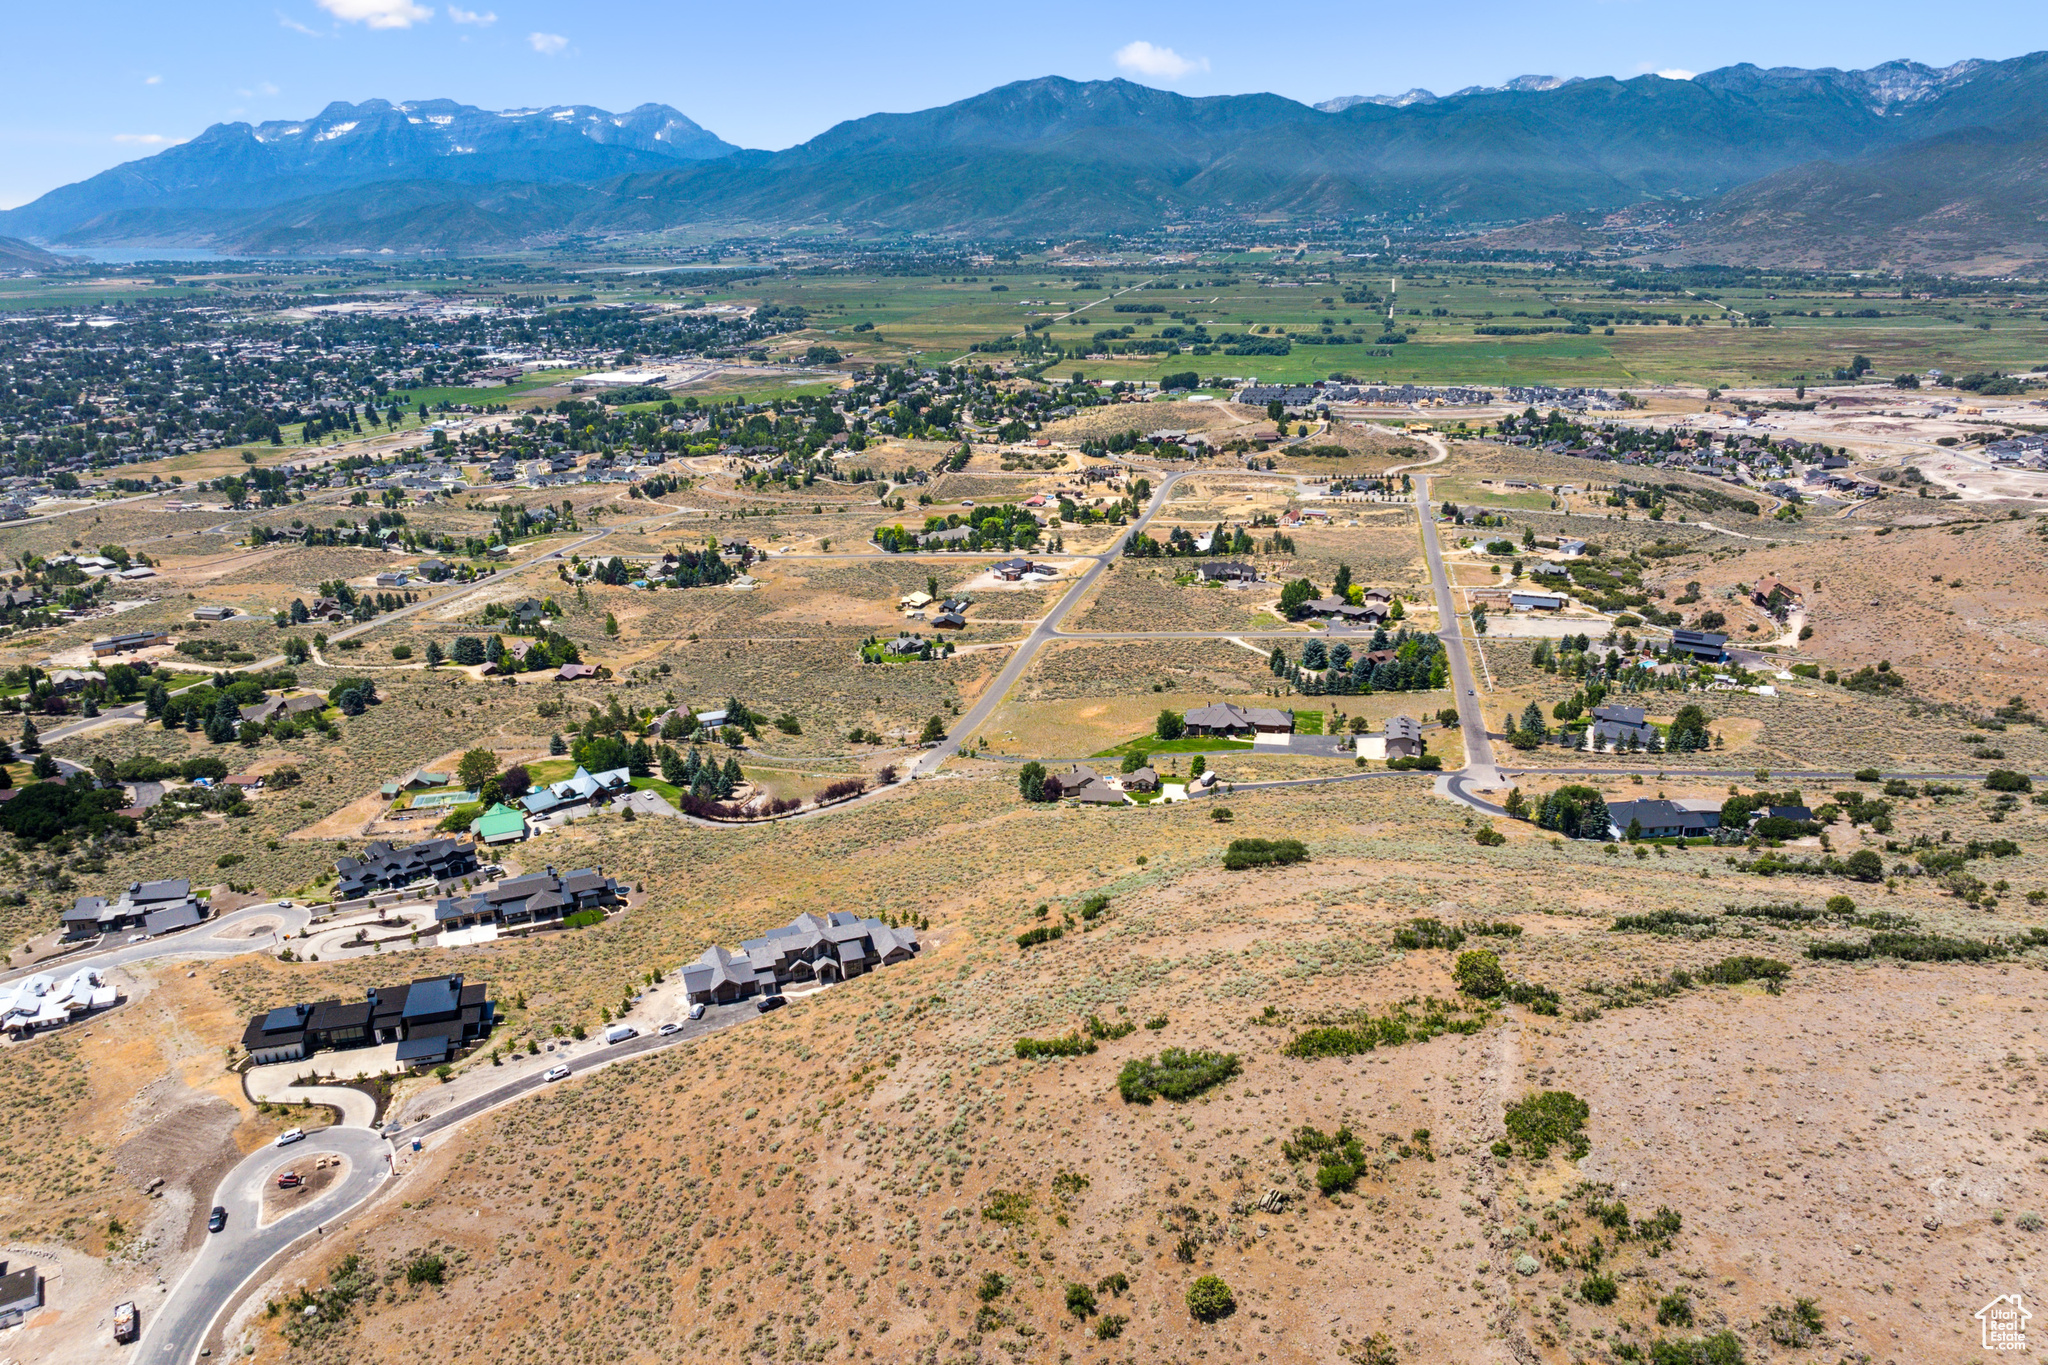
[(619, 1033)]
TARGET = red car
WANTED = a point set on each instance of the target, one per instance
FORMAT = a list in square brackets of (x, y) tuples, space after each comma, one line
[(289, 1181)]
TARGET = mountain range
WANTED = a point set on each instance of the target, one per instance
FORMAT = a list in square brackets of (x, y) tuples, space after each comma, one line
[(1746, 153)]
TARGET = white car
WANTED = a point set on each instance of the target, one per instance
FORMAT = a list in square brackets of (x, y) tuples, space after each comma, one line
[(289, 1136), (138, 938), (555, 1073), (697, 1010), (671, 1027)]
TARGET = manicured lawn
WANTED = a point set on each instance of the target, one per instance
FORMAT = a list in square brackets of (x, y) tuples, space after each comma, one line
[(1307, 723), (1199, 744), (669, 791)]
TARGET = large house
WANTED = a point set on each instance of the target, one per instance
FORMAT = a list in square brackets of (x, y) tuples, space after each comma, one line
[(809, 948), (1619, 725), (1700, 644), (1404, 737), (1660, 819), (382, 867), (431, 1019), (1372, 612), (38, 1002), (576, 794), (1228, 571), (152, 907), (1082, 783), (121, 644), (537, 900), (1226, 718)]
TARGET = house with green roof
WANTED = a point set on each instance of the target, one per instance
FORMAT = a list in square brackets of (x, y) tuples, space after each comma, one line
[(501, 824)]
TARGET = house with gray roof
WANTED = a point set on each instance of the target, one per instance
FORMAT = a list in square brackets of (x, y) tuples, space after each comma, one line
[(536, 900), (578, 794), (1618, 725), (1082, 783), (808, 949), (383, 867), (1404, 737), (153, 907), (1227, 718)]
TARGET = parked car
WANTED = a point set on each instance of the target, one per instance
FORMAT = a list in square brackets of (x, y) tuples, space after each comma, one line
[(619, 1033), (217, 1220), (289, 1180), (555, 1073), (289, 1136), (769, 1002), (697, 1011), (138, 938), (671, 1027), (126, 1323)]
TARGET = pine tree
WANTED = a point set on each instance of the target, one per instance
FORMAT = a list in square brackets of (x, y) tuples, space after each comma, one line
[(30, 744)]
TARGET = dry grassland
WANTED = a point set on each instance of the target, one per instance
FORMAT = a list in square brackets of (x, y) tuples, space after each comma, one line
[(868, 1156)]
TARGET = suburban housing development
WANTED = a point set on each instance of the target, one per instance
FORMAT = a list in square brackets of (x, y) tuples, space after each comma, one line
[(807, 949), (431, 1019)]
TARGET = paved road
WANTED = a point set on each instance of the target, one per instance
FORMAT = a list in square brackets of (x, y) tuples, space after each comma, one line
[(229, 1259), (216, 938), (527, 1078), (1046, 629), (1479, 766)]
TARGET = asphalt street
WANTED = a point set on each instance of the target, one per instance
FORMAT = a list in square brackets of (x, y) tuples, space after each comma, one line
[(216, 938), (177, 1327)]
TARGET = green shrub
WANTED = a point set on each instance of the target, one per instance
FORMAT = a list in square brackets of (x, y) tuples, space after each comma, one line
[(1489, 837), (426, 1268), (1552, 1117), (1722, 1348), (1073, 1045), (1478, 974), (1410, 1021), (1674, 1309), (1178, 1074), (1599, 1290), (1110, 1326), (1080, 1300), (1009, 1207), (2006, 780), (1733, 971), (1868, 774), (1796, 1324), (1427, 933), (1044, 933), (992, 1285), (1244, 853), (1210, 1298)]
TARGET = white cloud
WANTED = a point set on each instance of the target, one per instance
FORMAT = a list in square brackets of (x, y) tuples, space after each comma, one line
[(263, 89), (143, 139), (546, 44), (152, 80), (481, 18), (286, 21), (1677, 73), (1144, 59), (378, 13)]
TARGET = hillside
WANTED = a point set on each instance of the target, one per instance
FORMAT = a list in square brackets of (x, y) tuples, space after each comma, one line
[(205, 186), (1055, 155), (1976, 194), (16, 254)]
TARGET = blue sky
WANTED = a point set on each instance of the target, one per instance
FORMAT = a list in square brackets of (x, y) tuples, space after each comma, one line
[(95, 84)]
